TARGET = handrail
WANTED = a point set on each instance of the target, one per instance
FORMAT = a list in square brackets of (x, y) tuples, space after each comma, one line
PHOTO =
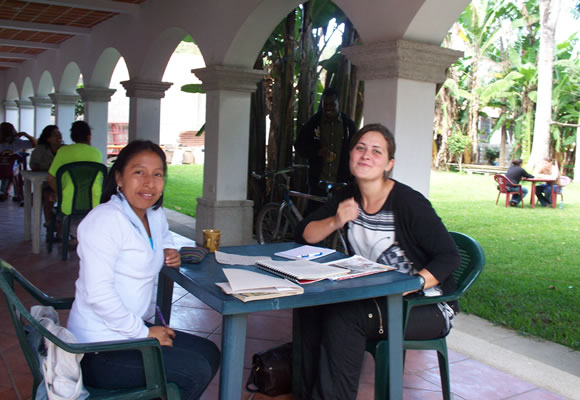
[(267, 174)]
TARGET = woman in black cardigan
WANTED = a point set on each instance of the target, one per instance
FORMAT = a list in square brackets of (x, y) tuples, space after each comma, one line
[(388, 222)]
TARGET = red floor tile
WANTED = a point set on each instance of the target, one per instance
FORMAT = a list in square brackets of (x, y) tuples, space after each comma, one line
[(476, 381)]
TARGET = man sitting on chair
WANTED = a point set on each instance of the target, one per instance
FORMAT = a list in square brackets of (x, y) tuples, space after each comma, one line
[(81, 150), (549, 171), (515, 173)]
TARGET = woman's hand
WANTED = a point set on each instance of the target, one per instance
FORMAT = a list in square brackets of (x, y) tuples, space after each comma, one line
[(347, 211), (172, 258), (163, 334)]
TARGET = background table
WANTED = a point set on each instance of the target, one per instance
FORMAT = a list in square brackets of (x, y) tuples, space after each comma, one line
[(533, 193), (33, 181), (200, 279)]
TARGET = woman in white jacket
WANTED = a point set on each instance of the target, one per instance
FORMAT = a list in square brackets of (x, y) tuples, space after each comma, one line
[(123, 243)]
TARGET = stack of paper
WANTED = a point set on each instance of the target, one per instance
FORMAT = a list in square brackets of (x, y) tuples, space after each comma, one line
[(248, 285), (305, 253)]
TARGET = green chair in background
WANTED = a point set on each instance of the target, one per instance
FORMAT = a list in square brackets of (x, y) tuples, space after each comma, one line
[(83, 175), (472, 263), (156, 382)]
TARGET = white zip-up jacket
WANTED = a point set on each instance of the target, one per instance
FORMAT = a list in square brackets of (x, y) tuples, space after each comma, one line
[(118, 268)]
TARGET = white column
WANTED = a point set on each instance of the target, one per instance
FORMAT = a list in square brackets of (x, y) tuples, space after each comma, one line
[(96, 100), (224, 205), (11, 112), (42, 117), (400, 78), (144, 108), (26, 116), (64, 112)]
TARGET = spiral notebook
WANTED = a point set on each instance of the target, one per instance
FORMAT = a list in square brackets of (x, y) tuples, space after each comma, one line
[(301, 271)]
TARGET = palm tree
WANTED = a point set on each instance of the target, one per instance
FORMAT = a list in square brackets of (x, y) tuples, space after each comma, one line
[(549, 12)]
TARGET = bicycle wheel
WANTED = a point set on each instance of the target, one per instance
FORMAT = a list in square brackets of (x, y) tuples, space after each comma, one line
[(266, 225)]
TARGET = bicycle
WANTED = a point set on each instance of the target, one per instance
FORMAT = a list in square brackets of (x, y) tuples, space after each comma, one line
[(276, 221)]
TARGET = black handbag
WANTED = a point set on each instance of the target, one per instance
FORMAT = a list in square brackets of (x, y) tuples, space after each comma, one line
[(272, 371)]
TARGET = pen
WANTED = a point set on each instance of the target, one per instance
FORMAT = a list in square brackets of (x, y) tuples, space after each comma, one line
[(160, 316), (311, 255)]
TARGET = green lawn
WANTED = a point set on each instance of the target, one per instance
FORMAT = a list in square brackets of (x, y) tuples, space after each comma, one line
[(184, 186), (531, 281)]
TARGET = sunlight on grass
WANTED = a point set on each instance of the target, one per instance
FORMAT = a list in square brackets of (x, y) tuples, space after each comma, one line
[(184, 185), (532, 274), (531, 280)]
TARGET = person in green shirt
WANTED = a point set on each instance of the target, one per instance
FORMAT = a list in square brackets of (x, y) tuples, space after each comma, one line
[(81, 150)]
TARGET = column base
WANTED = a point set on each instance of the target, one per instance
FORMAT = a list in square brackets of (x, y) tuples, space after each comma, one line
[(233, 217)]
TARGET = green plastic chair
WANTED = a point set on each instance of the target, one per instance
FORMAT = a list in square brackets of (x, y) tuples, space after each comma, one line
[(83, 175), (472, 263), (156, 382)]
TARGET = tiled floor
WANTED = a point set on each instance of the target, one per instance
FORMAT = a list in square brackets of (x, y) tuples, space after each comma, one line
[(470, 380)]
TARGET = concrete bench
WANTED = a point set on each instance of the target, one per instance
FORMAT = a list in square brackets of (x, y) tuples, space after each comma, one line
[(479, 168)]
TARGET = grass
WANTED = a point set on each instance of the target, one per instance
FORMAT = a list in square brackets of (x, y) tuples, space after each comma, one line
[(531, 280), (184, 186)]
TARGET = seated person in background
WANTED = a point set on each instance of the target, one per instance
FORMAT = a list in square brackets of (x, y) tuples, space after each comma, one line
[(515, 173), (11, 142), (387, 222), (123, 243), (549, 171), (81, 150), (49, 142)]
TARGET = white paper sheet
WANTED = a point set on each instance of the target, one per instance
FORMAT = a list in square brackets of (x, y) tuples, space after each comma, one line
[(237, 259), (241, 280), (305, 252)]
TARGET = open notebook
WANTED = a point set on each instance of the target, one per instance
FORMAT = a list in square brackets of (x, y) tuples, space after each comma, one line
[(249, 285), (301, 271)]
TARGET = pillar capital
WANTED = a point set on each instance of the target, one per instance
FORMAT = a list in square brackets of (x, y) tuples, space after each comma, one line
[(10, 105), (100, 94), (146, 89), (64, 98), (402, 59), (41, 101), (24, 104), (227, 77)]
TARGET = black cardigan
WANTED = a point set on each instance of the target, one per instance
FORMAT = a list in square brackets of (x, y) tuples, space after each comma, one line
[(418, 230)]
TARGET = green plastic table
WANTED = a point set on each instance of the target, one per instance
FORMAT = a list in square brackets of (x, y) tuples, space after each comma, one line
[(200, 279)]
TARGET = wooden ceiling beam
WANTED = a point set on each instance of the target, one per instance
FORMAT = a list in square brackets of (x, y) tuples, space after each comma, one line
[(49, 28), (97, 5), (19, 56), (28, 44)]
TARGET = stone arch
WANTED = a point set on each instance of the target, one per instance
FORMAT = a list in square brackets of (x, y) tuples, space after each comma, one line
[(12, 92), (253, 33), (70, 78), (158, 54), (45, 85), (27, 89), (104, 67), (378, 21)]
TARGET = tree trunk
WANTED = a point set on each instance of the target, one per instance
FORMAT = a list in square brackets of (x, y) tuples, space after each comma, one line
[(549, 11), (306, 80), (473, 117), (503, 139), (576, 158), (281, 132)]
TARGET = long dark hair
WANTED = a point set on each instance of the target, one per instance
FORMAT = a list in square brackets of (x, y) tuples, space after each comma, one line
[(125, 155), (46, 132)]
